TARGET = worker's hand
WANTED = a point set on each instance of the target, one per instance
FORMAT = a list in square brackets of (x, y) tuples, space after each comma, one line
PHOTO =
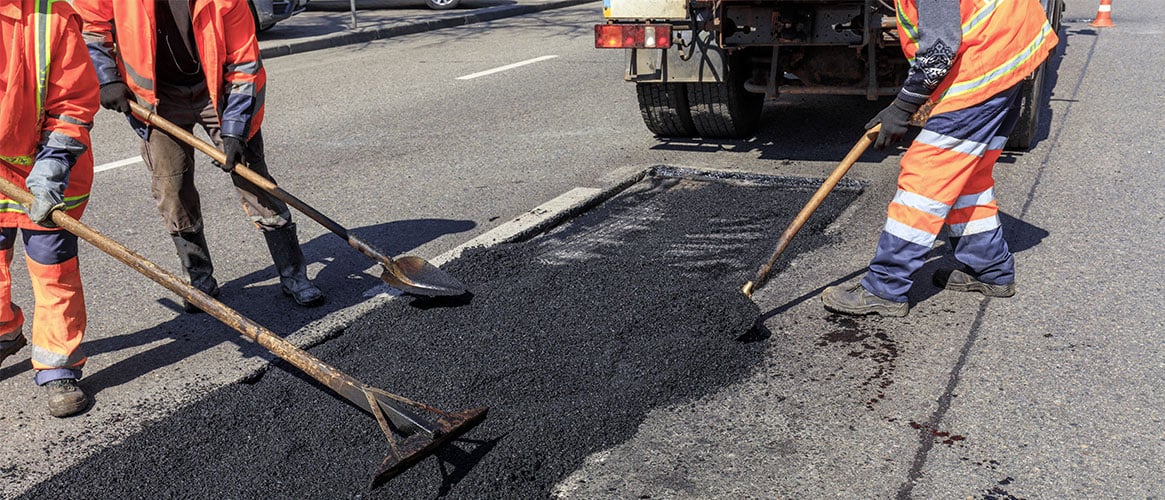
[(894, 119), (115, 96), (233, 147), (47, 182)]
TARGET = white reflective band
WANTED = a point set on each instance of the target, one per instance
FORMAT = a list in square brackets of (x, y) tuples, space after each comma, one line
[(913, 235), (951, 143), (1104, 8), (977, 199), (997, 143), (920, 202), (975, 226)]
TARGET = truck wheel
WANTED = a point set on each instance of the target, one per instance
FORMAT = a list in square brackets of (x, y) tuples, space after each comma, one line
[(725, 109), (441, 4), (664, 107), (1032, 93)]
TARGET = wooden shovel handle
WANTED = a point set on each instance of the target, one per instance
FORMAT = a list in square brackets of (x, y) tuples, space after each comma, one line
[(830, 182)]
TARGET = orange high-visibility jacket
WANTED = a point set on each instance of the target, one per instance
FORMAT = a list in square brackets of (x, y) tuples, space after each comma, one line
[(1003, 41), (224, 31), (48, 96)]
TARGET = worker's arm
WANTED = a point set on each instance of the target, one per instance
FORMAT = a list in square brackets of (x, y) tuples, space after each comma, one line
[(243, 74), (70, 101), (940, 32)]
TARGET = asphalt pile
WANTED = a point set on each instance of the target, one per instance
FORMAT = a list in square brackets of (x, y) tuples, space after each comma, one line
[(570, 338)]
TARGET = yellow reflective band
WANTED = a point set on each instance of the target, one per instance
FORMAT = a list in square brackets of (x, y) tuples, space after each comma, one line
[(907, 26), (25, 160), (1002, 70), (980, 16)]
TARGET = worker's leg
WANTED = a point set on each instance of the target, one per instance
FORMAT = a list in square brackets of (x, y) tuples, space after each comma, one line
[(273, 218), (171, 165), (11, 317), (975, 229), (59, 320)]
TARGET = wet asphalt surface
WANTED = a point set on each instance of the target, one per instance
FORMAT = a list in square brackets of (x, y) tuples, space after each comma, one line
[(570, 338)]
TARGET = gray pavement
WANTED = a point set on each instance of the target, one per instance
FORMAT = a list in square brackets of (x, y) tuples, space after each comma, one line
[(330, 23)]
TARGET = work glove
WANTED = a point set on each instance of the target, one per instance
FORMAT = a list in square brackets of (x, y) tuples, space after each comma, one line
[(233, 146), (47, 182), (115, 96), (894, 119)]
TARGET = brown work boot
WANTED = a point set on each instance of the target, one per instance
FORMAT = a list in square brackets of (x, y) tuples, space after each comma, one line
[(959, 281), (855, 300), (66, 398), (11, 347)]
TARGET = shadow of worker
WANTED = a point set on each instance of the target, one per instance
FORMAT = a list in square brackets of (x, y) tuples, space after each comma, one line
[(1019, 235), (342, 279)]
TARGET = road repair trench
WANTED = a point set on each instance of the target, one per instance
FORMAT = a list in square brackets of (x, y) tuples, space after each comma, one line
[(570, 338)]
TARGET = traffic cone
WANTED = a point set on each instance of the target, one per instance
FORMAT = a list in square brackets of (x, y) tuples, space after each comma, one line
[(1103, 15)]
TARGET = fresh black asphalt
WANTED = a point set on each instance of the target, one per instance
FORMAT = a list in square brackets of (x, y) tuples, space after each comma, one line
[(571, 338)]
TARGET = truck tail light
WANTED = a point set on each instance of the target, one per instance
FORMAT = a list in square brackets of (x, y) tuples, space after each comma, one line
[(632, 36)]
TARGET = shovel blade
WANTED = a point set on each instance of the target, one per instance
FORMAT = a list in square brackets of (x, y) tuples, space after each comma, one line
[(418, 446), (417, 276)]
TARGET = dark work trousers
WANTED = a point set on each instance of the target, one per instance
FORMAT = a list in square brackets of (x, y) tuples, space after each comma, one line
[(171, 164)]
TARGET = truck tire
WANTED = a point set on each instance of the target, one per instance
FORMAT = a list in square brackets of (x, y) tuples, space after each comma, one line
[(1032, 93), (725, 110), (664, 107)]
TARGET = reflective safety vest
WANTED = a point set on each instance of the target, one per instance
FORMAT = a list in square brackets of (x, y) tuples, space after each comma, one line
[(1003, 42), (122, 37), (48, 96)]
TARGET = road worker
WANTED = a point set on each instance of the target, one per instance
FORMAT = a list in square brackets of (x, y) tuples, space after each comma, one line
[(968, 59), (195, 63), (48, 96)]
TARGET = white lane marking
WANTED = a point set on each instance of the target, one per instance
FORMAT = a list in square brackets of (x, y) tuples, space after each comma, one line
[(506, 67), (117, 164)]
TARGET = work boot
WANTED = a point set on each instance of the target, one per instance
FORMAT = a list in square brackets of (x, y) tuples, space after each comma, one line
[(66, 398), (11, 347), (959, 281), (289, 263), (195, 257), (857, 301)]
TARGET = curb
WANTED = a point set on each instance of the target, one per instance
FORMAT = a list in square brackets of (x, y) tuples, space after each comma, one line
[(364, 35)]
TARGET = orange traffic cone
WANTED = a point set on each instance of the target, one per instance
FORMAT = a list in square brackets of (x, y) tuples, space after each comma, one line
[(1103, 15)]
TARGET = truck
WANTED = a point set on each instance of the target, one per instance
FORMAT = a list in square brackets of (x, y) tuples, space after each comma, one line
[(704, 68)]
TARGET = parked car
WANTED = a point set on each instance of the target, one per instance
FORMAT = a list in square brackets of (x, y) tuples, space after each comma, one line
[(269, 12)]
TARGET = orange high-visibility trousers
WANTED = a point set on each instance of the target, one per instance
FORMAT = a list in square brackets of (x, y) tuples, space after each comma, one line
[(59, 317), (946, 179)]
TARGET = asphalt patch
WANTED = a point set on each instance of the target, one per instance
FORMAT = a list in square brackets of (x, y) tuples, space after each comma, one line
[(571, 338)]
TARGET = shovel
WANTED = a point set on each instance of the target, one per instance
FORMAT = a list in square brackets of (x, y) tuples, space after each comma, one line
[(762, 274), (423, 435), (408, 274)]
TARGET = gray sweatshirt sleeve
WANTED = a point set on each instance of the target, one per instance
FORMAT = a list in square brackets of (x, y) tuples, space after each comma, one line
[(940, 32)]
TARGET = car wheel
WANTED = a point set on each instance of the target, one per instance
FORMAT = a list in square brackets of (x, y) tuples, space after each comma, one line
[(441, 4)]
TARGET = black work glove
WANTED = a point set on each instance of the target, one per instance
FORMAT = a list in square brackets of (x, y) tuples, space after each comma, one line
[(115, 96), (894, 119), (233, 147), (47, 182)]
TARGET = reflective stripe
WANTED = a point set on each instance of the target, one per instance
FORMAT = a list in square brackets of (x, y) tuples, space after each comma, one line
[(965, 146), (981, 15), (12, 206), (250, 68), (243, 88), (25, 160), (58, 140), (41, 52), (920, 202), (977, 199), (71, 120), (908, 233), (997, 143), (139, 80), (49, 358), (907, 26), (975, 227), (1002, 70)]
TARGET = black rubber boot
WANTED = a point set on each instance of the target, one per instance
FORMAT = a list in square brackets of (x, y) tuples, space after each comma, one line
[(855, 300), (195, 258), (289, 263)]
